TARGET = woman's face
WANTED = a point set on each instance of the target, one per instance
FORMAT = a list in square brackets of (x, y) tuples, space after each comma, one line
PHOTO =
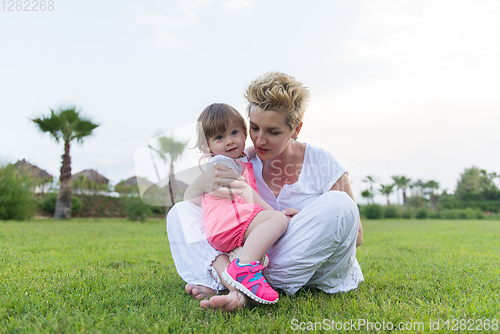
[(269, 132)]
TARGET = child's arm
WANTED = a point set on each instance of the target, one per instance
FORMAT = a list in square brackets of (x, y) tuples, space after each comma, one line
[(250, 196)]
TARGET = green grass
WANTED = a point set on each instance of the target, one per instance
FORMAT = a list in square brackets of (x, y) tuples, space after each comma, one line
[(117, 276)]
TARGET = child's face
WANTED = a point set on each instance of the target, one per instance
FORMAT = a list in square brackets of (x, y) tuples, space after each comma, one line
[(231, 143)]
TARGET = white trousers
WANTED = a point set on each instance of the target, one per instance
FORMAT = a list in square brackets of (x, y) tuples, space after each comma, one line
[(318, 249)]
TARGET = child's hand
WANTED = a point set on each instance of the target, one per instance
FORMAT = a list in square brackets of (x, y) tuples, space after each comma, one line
[(290, 213)]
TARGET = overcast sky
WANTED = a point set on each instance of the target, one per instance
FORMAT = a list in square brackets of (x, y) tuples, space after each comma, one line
[(397, 87)]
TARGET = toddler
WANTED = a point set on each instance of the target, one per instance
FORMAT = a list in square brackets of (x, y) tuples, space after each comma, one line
[(245, 220)]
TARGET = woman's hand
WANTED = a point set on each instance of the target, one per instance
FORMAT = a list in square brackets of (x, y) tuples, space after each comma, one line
[(290, 213), (215, 181)]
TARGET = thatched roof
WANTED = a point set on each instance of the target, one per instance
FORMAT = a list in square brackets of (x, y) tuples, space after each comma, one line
[(132, 181), (32, 170), (91, 175)]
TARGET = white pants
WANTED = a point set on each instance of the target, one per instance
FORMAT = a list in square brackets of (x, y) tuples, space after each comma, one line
[(318, 249)]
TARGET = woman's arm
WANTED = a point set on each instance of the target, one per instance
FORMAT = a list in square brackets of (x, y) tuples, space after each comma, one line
[(343, 184), (214, 181)]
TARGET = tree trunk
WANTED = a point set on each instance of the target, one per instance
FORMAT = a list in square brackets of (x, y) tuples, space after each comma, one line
[(63, 204), (434, 201), (404, 197), (388, 203), (419, 197), (171, 184)]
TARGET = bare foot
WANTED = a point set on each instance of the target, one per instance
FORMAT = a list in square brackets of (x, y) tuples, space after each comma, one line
[(235, 300), (199, 292)]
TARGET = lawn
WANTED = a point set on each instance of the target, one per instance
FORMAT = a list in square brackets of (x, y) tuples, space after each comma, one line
[(113, 275)]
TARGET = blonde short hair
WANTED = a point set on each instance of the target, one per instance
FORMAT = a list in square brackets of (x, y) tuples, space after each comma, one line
[(279, 92), (215, 119)]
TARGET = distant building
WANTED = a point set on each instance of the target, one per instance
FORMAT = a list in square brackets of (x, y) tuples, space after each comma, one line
[(150, 191), (90, 182), (129, 186), (41, 178)]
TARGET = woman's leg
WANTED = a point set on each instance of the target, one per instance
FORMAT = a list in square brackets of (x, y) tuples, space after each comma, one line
[(192, 254), (319, 247), (196, 261)]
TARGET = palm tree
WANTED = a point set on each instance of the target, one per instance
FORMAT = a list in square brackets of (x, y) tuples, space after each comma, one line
[(368, 195), (65, 124), (387, 190), (401, 183), (174, 149), (370, 180), (420, 186), (432, 185)]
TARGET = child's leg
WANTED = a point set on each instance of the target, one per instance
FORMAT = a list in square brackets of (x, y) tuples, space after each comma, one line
[(264, 230)]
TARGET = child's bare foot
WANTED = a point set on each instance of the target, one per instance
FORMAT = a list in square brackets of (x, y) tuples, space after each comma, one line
[(235, 300), (199, 292)]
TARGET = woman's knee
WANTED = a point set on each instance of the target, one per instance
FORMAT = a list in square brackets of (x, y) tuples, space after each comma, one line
[(180, 209), (338, 203), (184, 218)]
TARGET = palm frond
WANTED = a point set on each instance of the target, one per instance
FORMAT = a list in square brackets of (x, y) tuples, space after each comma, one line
[(83, 128), (51, 124), (172, 147), (66, 124)]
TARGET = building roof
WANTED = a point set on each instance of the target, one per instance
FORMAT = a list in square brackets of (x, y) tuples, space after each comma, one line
[(91, 175), (32, 170)]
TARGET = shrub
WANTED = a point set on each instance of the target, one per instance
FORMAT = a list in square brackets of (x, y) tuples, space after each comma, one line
[(461, 214), (451, 214), (373, 211), (470, 213), (49, 204), (76, 205), (435, 215), (392, 211), (158, 209), (136, 209), (451, 202), (421, 214), (407, 214), (16, 198)]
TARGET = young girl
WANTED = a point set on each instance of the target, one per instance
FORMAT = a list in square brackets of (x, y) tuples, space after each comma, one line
[(240, 220)]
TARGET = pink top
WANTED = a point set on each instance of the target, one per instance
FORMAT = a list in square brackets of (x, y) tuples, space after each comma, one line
[(225, 220)]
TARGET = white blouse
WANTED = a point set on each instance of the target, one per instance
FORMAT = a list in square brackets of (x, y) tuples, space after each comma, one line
[(319, 173)]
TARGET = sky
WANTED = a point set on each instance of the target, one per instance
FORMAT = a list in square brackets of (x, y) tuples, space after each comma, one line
[(397, 87)]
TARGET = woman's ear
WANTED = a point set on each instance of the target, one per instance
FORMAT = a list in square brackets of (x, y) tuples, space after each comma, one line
[(297, 130)]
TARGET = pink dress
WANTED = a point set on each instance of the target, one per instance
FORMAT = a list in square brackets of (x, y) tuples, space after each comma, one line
[(225, 221)]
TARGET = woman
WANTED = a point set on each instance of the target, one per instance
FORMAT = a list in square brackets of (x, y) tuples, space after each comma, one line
[(319, 247)]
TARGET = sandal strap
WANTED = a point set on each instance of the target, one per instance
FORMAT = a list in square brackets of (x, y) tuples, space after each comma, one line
[(256, 268)]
